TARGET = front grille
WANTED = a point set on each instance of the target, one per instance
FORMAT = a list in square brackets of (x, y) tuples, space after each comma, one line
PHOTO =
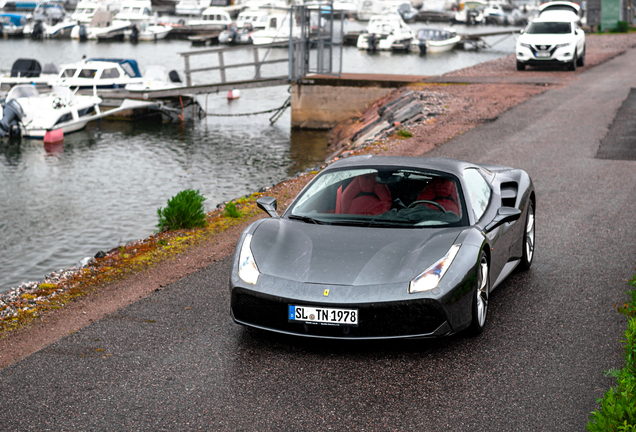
[(375, 320)]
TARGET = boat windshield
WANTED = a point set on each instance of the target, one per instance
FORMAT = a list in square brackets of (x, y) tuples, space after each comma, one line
[(549, 28), (23, 91), (386, 197), (433, 34)]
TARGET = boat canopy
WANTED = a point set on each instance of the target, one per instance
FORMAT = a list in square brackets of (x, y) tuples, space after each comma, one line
[(28, 68), (15, 19), (128, 65)]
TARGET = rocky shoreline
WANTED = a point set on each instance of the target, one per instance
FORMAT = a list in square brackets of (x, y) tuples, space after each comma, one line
[(458, 108)]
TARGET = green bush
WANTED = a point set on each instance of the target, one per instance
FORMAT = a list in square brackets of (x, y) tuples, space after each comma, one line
[(404, 133), (618, 405), (232, 211), (621, 27), (184, 210)]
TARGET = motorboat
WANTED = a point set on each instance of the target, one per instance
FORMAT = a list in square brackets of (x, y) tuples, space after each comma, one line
[(101, 73), (369, 8), (49, 21), (135, 11), (148, 32), (193, 8), (435, 40), (39, 113), (277, 30), (471, 12), (12, 25), (102, 24), (156, 78), (212, 18), (256, 18), (237, 36), (406, 11), (28, 113), (386, 33), (85, 10)]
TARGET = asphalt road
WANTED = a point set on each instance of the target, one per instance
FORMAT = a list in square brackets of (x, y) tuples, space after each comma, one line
[(175, 361)]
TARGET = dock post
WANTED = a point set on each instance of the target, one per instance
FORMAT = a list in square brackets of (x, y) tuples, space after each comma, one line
[(257, 75), (222, 66), (186, 60)]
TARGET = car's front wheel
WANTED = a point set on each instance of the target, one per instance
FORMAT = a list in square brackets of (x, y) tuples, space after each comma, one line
[(581, 61), (520, 66), (481, 297), (572, 64), (528, 239)]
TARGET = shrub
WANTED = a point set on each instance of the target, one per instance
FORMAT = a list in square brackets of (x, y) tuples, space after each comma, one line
[(232, 211), (618, 405), (184, 210)]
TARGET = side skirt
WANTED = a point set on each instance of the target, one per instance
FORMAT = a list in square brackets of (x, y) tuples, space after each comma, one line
[(508, 268)]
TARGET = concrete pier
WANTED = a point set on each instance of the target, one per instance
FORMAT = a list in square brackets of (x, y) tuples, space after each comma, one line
[(323, 101)]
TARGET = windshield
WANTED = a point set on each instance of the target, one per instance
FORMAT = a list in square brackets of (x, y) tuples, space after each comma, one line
[(549, 28), (22, 91), (382, 197)]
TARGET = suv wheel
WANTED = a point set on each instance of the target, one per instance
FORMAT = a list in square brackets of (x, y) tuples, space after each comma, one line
[(581, 60), (520, 66), (573, 63)]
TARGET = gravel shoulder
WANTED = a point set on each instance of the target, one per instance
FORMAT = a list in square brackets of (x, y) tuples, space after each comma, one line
[(469, 106)]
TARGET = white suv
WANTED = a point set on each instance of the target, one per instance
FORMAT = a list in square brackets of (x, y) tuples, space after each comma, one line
[(554, 37)]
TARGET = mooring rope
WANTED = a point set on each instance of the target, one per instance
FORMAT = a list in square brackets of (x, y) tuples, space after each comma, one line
[(278, 111)]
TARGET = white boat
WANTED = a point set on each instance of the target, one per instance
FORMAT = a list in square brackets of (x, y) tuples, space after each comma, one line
[(49, 21), (102, 24), (386, 33), (435, 40), (135, 11), (44, 112), (277, 30), (156, 78), (98, 73), (237, 36), (212, 18), (369, 8), (471, 12), (192, 8), (12, 24), (256, 18), (85, 10), (149, 32)]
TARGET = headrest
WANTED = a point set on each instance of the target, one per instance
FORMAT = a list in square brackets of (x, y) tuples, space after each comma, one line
[(444, 188), (367, 183)]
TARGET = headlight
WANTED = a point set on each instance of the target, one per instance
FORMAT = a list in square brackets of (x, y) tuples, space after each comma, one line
[(429, 278), (247, 269), (563, 45), (525, 45)]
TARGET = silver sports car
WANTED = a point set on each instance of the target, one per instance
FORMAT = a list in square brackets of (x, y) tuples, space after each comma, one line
[(385, 247)]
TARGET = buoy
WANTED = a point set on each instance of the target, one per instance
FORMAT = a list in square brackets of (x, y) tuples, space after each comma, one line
[(54, 136), (234, 94)]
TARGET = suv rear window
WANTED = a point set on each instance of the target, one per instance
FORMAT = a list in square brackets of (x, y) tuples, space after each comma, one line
[(550, 28)]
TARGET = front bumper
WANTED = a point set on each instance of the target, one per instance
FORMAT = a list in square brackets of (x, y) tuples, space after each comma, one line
[(561, 56), (407, 319)]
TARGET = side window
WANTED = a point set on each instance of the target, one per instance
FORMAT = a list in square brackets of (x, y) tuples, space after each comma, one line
[(87, 73), (68, 73), (110, 73), (478, 191)]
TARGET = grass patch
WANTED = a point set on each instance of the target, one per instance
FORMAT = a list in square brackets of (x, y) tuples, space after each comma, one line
[(618, 405), (403, 133), (232, 211)]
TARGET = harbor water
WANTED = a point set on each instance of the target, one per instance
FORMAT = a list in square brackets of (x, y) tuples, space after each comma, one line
[(101, 188)]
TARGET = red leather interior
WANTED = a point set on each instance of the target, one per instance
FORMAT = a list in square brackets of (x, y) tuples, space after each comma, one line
[(441, 191), (364, 196)]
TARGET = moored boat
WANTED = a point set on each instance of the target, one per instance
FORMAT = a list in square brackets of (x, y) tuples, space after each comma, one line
[(386, 33), (434, 40)]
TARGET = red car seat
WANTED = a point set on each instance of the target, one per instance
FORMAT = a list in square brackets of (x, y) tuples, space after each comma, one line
[(441, 191), (364, 196)]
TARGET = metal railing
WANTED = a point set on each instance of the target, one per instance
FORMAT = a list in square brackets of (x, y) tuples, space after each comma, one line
[(222, 67)]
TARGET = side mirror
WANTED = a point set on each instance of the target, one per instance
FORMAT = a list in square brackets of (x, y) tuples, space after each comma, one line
[(268, 205), (504, 215)]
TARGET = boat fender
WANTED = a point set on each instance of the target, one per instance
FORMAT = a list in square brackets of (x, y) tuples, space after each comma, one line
[(174, 76), (54, 136), (11, 115), (234, 94)]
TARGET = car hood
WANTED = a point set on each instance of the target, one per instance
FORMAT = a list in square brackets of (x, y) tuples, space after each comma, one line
[(545, 39), (345, 255)]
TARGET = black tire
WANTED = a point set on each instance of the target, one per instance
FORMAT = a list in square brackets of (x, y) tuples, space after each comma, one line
[(581, 60), (481, 296), (521, 66), (528, 239), (572, 64)]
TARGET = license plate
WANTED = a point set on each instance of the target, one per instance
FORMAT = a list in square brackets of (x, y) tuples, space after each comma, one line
[(323, 316), (543, 54)]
